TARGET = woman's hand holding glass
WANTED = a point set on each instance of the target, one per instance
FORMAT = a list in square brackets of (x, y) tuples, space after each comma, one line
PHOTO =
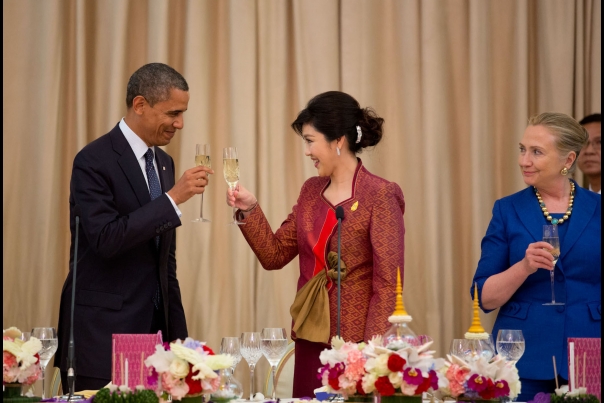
[(240, 198), (537, 256)]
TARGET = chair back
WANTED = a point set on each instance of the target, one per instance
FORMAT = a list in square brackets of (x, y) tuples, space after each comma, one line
[(55, 384), (284, 377)]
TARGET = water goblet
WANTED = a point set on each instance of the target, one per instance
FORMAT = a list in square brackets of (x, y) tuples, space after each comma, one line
[(250, 347), (274, 345), (550, 235), (202, 158), (230, 345), (510, 344), (48, 338)]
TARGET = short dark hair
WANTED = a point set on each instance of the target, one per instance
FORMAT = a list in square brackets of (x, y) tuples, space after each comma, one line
[(336, 114), (593, 118), (154, 81)]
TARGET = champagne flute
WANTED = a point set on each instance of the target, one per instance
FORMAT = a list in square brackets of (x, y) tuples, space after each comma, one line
[(202, 158), (274, 345), (48, 338), (510, 344), (550, 235), (230, 345), (251, 351), (231, 174)]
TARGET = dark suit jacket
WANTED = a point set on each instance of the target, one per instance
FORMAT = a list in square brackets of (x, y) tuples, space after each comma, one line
[(518, 221), (118, 261)]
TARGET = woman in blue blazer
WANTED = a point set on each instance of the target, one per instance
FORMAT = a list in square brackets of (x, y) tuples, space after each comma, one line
[(514, 269)]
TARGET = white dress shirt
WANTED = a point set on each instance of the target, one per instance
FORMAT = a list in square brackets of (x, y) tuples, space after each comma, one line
[(140, 149)]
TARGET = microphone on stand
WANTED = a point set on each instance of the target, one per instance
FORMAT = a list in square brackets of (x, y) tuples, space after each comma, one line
[(340, 217), (71, 347)]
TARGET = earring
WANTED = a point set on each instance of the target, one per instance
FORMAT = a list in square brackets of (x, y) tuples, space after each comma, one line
[(338, 150), (564, 171)]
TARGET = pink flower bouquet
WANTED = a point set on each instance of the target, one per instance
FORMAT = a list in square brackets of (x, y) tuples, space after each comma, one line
[(185, 369), (350, 368), (20, 359), (480, 378)]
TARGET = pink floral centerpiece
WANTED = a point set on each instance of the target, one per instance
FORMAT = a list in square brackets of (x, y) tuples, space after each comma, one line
[(479, 379), (20, 359), (361, 369), (185, 369)]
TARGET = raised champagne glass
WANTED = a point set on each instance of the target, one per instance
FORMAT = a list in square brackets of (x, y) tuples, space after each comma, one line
[(48, 338), (202, 158), (550, 235), (251, 351), (274, 345), (230, 169)]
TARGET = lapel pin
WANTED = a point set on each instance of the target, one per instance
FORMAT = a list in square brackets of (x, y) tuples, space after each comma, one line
[(164, 168), (354, 206)]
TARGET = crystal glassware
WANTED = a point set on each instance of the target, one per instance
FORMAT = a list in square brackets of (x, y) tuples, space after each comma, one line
[(230, 345), (510, 344), (274, 345), (202, 158), (550, 235), (230, 169), (472, 349), (48, 338), (250, 347)]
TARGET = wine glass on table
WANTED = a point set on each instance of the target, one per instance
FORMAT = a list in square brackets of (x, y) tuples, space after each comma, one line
[(202, 158), (510, 344), (251, 350), (230, 169), (550, 235), (230, 345), (274, 345), (48, 338)]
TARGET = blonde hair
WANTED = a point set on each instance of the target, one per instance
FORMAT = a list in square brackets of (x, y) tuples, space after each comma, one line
[(570, 135)]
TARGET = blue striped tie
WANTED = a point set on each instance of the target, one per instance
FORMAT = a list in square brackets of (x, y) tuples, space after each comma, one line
[(154, 192)]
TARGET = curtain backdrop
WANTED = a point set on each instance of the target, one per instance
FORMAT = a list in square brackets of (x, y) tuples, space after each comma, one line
[(455, 81)]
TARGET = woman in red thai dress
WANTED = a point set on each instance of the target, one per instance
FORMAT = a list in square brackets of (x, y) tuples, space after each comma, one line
[(335, 129)]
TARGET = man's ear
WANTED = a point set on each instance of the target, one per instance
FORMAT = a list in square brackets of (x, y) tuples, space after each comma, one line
[(139, 103)]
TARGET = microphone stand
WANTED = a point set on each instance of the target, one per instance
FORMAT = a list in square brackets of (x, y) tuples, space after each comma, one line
[(71, 347), (339, 213)]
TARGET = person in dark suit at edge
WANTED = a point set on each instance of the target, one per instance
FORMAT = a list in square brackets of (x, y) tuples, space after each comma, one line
[(124, 187)]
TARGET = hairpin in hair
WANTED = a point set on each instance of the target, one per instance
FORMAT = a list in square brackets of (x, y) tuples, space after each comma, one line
[(359, 134)]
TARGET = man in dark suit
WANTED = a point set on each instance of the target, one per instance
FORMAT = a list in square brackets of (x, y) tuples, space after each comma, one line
[(123, 185)]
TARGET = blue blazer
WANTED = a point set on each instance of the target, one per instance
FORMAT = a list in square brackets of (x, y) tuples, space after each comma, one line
[(517, 221)]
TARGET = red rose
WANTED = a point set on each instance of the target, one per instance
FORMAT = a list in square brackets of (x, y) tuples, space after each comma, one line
[(194, 386), (396, 362), (384, 386), (207, 350), (423, 387), (334, 383), (360, 390)]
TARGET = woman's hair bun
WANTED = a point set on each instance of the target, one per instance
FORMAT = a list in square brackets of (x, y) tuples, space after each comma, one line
[(371, 128)]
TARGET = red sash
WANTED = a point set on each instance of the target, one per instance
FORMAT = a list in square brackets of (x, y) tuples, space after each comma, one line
[(320, 248)]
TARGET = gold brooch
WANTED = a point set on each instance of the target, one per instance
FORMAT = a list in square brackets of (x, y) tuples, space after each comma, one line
[(354, 206)]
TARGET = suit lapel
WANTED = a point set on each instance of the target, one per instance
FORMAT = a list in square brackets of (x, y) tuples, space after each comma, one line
[(528, 210), (583, 210), (164, 167), (130, 166)]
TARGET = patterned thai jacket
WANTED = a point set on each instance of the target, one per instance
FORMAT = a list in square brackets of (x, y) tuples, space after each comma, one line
[(372, 246)]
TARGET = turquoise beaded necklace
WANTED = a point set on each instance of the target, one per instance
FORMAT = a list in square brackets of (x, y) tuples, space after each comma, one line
[(557, 221)]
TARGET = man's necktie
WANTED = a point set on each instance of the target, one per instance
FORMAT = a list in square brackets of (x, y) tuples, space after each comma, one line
[(154, 192)]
